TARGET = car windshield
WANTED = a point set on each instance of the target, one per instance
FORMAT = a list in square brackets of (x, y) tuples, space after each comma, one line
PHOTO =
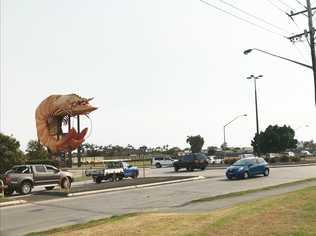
[(241, 162)]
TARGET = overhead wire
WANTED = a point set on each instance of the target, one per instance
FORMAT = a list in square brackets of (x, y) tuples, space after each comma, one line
[(300, 3), (254, 16), (286, 5), (242, 19)]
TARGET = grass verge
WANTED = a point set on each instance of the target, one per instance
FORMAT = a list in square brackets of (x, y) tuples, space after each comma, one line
[(241, 193), (287, 214)]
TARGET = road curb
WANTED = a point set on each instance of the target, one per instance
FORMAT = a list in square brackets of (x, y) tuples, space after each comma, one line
[(134, 186), (270, 166), (11, 203)]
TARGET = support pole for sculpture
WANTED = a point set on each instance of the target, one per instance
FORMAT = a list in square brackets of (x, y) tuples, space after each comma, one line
[(69, 152), (79, 148)]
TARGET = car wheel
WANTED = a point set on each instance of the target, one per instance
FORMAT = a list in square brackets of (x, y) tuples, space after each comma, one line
[(26, 188), (229, 177), (50, 187), (266, 172), (246, 175), (8, 191), (98, 180), (203, 168), (65, 183), (176, 169), (111, 178), (158, 165), (190, 169)]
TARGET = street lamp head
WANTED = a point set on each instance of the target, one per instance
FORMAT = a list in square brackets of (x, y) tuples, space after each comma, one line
[(247, 51)]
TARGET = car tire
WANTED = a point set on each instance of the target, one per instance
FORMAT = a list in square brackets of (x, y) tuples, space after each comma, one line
[(8, 191), (229, 177), (25, 188), (266, 172), (134, 176), (203, 168), (65, 183), (190, 169), (111, 178), (50, 187), (246, 175), (98, 180), (176, 169), (158, 165)]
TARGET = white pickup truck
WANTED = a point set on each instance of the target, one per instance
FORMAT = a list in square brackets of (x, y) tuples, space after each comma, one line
[(112, 171)]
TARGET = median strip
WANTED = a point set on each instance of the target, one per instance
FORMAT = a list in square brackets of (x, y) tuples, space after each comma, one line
[(12, 203), (241, 193), (134, 186)]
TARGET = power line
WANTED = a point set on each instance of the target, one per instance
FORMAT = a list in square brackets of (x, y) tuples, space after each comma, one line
[(300, 3), (286, 5), (276, 6), (254, 16), (242, 19)]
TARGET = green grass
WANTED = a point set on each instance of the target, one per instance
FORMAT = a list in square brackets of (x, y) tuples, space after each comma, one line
[(287, 214), (241, 193), (89, 224)]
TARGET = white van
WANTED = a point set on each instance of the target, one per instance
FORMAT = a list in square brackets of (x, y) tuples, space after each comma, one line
[(241, 156), (159, 162)]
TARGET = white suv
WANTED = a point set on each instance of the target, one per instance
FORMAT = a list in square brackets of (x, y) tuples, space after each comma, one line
[(162, 161)]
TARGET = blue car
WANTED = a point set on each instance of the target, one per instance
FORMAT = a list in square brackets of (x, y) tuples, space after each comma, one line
[(248, 167), (130, 171)]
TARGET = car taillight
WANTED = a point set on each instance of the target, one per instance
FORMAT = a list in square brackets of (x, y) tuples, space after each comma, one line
[(196, 161)]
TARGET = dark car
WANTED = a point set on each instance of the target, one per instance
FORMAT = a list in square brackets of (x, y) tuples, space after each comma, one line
[(248, 167), (191, 162)]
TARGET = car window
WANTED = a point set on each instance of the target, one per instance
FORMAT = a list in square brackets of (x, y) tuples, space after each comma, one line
[(261, 161), (200, 156), (188, 158), (21, 170), (40, 169), (51, 169)]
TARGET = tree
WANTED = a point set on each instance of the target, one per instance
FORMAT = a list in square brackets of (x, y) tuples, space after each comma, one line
[(10, 153), (274, 139), (211, 150), (196, 143), (36, 151)]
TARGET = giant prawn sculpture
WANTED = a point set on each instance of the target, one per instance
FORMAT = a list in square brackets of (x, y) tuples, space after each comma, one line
[(50, 115)]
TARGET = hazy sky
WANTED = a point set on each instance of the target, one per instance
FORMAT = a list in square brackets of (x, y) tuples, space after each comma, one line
[(159, 70)]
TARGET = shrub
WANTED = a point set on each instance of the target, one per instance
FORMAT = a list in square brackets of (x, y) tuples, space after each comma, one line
[(284, 159), (273, 160), (43, 162), (230, 160), (296, 159)]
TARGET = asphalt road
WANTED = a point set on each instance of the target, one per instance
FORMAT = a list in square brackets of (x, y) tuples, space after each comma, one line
[(19, 220)]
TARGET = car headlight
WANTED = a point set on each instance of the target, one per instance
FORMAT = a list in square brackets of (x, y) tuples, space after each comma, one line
[(240, 168)]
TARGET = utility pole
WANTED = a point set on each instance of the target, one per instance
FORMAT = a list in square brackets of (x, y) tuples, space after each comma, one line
[(312, 41), (311, 33)]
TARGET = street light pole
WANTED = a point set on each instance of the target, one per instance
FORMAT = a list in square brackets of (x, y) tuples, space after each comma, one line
[(246, 52), (256, 99), (224, 127), (313, 67)]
